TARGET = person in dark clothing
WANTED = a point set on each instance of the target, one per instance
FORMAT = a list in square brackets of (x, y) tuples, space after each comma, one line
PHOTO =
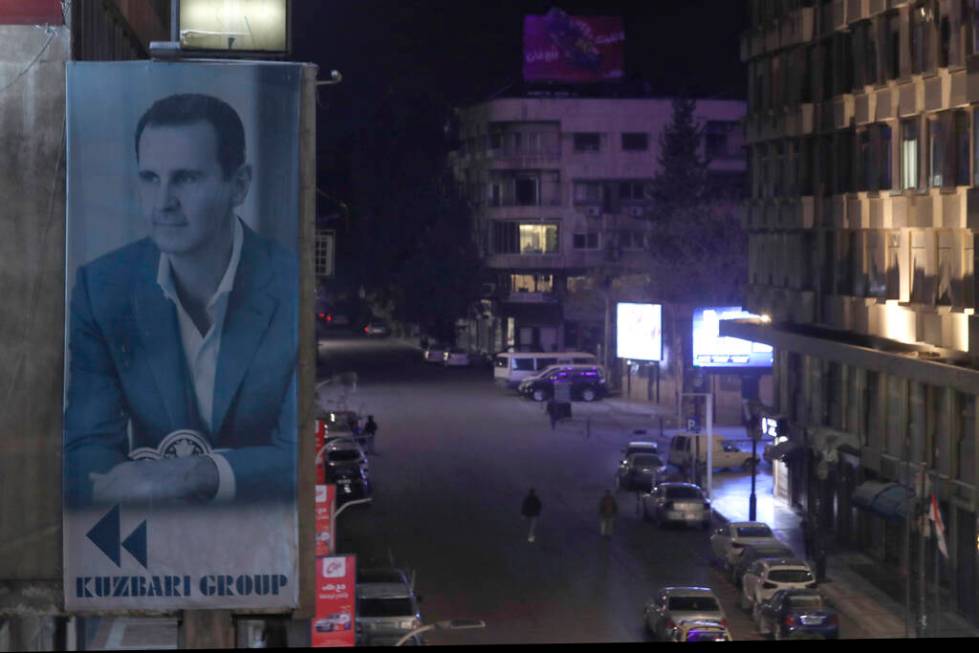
[(370, 430), (608, 509), (531, 511), (552, 413)]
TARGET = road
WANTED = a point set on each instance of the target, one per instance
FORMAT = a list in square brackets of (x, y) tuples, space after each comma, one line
[(455, 457)]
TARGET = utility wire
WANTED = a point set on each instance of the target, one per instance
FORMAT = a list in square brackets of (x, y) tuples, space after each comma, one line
[(51, 35)]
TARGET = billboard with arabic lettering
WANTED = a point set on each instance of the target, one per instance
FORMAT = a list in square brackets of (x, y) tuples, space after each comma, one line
[(559, 47)]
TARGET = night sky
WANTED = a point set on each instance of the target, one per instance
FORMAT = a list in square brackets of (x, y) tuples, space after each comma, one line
[(463, 51)]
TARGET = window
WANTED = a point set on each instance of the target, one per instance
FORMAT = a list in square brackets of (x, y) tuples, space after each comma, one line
[(961, 126), (632, 239), (538, 239), (944, 42), (587, 192), (586, 241), (587, 142), (718, 139), (892, 40), (884, 158), (632, 191), (323, 253), (496, 140), (531, 283), (865, 173), (505, 239), (921, 20), (635, 141), (909, 154), (936, 150), (526, 191)]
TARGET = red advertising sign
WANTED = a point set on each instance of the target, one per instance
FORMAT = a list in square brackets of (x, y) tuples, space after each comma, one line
[(333, 624), (326, 496), (31, 12), (563, 48)]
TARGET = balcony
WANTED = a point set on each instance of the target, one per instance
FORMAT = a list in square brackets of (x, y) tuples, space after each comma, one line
[(521, 297)]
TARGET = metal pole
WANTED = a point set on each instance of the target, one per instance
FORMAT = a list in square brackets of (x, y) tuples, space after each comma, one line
[(753, 499), (938, 588), (922, 570), (710, 445), (175, 21)]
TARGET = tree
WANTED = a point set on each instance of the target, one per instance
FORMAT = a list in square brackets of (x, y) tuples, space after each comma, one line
[(697, 253), (411, 247)]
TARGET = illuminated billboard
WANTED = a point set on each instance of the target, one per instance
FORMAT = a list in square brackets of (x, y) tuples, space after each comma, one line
[(574, 49), (241, 25), (639, 332), (712, 350)]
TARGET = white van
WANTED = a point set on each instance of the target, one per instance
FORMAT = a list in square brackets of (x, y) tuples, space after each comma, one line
[(512, 367), (726, 455)]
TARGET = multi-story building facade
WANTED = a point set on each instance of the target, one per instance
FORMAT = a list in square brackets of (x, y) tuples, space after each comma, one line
[(560, 189), (863, 142)]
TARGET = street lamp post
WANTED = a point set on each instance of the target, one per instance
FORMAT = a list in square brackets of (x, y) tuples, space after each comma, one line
[(451, 624)]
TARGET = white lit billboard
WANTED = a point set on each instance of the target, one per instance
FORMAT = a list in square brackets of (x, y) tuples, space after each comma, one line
[(711, 350), (639, 332)]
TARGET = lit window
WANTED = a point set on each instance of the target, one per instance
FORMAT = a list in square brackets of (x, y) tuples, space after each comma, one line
[(909, 154), (538, 239)]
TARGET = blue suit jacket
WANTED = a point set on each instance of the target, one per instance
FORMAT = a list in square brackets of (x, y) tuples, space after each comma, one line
[(127, 366)]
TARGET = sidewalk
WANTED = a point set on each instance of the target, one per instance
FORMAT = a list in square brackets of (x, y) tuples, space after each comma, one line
[(858, 586)]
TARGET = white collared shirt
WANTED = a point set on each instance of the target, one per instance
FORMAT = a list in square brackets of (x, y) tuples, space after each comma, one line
[(201, 351)]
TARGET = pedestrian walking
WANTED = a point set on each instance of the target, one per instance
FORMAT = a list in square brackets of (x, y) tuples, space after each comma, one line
[(608, 509), (531, 511), (370, 430), (552, 412)]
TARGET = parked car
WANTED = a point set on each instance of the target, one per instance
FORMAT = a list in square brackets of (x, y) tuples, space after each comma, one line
[(343, 456), (754, 552), (587, 382), (764, 577), (672, 605), (456, 358), (639, 446), (387, 607), (685, 447), (435, 353), (641, 472), (683, 503), (700, 631), (729, 541), (790, 613), (341, 423), (352, 482), (377, 328)]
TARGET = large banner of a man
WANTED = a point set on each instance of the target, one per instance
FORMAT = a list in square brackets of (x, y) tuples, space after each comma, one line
[(180, 434)]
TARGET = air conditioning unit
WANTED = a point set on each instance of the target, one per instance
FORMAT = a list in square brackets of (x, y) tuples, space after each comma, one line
[(593, 212), (636, 211)]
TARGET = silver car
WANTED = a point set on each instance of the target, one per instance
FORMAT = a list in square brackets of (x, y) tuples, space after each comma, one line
[(673, 605), (641, 472), (387, 608), (683, 503)]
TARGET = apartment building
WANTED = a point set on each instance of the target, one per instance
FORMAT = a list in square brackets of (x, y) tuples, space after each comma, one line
[(863, 142), (560, 189)]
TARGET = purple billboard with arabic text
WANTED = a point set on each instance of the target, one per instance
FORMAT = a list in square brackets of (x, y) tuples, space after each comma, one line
[(576, 49)]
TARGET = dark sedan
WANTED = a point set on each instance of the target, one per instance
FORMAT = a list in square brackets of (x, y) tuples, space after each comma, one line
[(586, 382), (798, 613)]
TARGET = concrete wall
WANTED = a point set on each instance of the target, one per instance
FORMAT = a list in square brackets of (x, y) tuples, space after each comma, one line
[(32, 218)]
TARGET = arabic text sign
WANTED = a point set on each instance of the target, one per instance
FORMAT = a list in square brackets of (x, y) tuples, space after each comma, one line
[(333, 624), (563, 48)]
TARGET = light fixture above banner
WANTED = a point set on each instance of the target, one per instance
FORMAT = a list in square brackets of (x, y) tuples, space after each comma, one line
[(234, 25)]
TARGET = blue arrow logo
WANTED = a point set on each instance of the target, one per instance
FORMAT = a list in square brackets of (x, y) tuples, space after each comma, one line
[(107, 536)]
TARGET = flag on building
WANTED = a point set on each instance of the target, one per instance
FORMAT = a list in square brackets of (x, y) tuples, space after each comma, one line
[(935, 514)]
